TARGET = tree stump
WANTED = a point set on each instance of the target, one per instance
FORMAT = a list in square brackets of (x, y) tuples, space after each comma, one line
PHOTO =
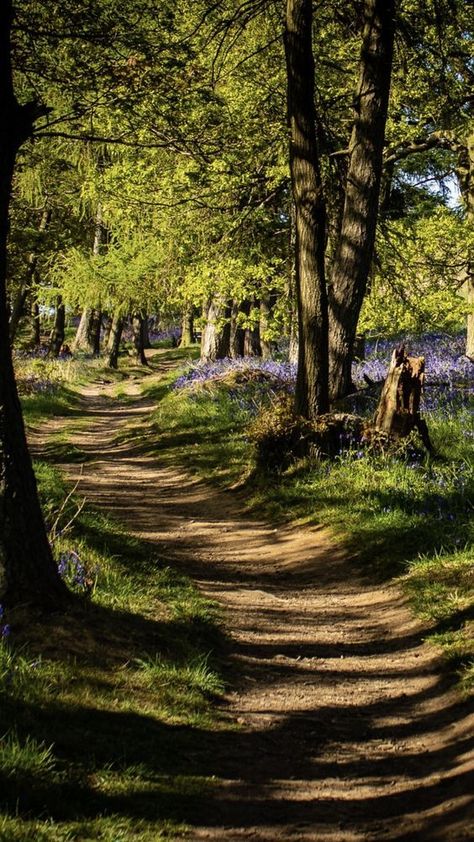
[(398, 412)]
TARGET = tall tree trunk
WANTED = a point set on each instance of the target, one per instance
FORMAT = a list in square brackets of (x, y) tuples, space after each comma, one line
[(146, 331), (215, 340), (27, 570), (311, 397), (252, 342), (354, 251), (81, 339), (187, 326), (267, 302), (237, 333), (87, 338), (113, 346), (137, 334), (57, 334), (36, 323), (469, 200), (107, 327), (22, 294), (94, 327)]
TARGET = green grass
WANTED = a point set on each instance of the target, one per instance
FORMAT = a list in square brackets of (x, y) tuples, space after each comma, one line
[(396, 518), (106, 713)]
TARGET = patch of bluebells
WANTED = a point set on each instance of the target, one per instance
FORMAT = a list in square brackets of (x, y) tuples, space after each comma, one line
[(449, 383), (172, 334), (449, 373), (75, 573), (250, 393), (280, 372)]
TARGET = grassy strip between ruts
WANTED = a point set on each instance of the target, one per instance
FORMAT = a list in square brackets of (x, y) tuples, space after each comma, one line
[(105, 713), (399, 518)]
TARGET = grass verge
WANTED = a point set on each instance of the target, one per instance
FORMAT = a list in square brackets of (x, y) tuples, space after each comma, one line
[(106, 713), (399, 518)]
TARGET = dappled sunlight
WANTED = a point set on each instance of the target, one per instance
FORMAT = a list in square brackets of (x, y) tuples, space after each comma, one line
[(346, 728)]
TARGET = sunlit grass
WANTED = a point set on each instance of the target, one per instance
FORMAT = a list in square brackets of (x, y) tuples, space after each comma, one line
[(89, 702), (395, 515)]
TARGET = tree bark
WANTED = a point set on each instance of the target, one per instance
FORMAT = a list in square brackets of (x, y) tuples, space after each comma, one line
[(137, 334), (27, 569), (94, 327), (398, 412), (311, 397), (36, 323), (469, 201), (87, 338), (354, 251), (58, 332), (267, 302), (145, 331), (237, 333), (215, 340), (107, 327), (187, 326), (115, 336), (22, 295)]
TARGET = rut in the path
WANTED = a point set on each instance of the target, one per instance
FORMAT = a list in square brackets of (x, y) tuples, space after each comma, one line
[(348, 730)]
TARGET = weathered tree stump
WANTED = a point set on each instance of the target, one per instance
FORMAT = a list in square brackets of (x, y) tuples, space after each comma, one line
[(398, 412)]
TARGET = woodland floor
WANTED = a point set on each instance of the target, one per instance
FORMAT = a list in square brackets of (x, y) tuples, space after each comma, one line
[(338, 721)]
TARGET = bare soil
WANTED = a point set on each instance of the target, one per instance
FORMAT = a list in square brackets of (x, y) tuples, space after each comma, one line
[(342, 725)]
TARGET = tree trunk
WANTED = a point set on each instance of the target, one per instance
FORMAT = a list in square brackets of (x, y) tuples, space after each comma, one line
[(115, 336), (107, 327), (237, 333), (36, 323), (81, 339), (87, 338), (215, 340), (187, 326), (146, 331), (94, 327), (57, 334), (311, 397), (22, 295), (354, 251), (252, 342), (27, 569), (398, 412), (469, 200), (137, 334), (266, 307)]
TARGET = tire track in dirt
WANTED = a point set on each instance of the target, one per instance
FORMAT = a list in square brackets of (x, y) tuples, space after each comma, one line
[(348, 730)]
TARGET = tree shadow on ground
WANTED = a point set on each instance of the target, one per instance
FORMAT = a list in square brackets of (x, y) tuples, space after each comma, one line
[(218, 775)]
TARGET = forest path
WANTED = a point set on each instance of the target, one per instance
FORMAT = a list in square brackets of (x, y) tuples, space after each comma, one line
[(346, 728)]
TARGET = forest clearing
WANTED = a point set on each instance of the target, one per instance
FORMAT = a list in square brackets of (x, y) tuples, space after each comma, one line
[(236, 420)]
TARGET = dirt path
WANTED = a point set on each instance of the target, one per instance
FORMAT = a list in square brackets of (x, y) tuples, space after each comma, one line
[(347, 729)]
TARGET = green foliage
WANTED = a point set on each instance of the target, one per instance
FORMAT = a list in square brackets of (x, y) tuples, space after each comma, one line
[(419, 278)]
